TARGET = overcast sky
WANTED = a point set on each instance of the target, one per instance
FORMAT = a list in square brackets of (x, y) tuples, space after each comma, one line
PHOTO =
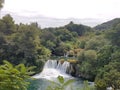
[(104, 9)]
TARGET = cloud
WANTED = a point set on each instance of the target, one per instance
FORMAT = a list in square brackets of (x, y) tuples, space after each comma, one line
[(65, 8)]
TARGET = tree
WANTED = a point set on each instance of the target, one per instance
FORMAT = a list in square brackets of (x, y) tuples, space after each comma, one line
[(22, 43), (88, 64), (108, 76), (90, 55), (104, 55), (48, 39), (14, 77), (62, 49), (29, 49), (114, 35), (1, 3), (96, 42), (79, 29), (7, 25)]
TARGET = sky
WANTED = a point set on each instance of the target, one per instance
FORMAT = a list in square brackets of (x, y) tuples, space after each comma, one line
[(102, 9)]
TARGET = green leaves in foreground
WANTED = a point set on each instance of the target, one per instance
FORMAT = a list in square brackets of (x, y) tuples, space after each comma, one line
[(61, 85), (86, 86), (14, 77)]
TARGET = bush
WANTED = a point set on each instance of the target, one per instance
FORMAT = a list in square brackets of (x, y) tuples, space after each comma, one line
[(14, 77)]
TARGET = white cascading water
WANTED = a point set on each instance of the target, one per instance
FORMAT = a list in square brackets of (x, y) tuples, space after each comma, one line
[(52, 69)]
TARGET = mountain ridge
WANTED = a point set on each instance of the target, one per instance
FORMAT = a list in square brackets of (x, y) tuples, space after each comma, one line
[(108, 25), (46, 22)]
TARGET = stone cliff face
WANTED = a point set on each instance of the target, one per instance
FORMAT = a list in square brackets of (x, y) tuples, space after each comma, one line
[(74, 71)]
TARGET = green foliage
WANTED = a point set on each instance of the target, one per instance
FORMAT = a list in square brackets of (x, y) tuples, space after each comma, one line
[(104, 55), (100, 84), (21, 42), (114, 35), (87, 61), (98, 52), (109, 75), (90, 55), (82, 44), (14, 77), (79, 29), (1, 3), (62, 49), (96, 42), (81, 56), (108, 25), (58, 40), (61, 85), (7, 25), (87, 87)]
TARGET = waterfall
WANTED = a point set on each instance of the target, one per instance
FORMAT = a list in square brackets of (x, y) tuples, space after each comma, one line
[(63, 67), (53, 68), (51, 64)]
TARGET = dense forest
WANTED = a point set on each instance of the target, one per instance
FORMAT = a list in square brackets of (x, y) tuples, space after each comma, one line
[(95, 53)]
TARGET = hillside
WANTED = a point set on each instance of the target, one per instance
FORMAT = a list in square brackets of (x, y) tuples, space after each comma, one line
[(46, 22), (108, 25)]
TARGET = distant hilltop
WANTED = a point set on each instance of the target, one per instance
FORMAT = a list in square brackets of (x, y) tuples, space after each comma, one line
[(45, 22), (108, 25)]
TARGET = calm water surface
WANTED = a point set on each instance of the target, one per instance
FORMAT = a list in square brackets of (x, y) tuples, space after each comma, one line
[(42, 84)]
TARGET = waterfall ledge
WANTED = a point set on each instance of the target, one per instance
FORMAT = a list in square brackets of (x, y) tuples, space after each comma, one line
[(52, 69)]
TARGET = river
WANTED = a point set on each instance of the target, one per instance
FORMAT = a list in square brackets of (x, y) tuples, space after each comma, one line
[(52, 69)]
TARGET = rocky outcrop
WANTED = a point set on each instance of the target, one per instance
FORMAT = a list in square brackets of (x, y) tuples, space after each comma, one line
[(74, 71)]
